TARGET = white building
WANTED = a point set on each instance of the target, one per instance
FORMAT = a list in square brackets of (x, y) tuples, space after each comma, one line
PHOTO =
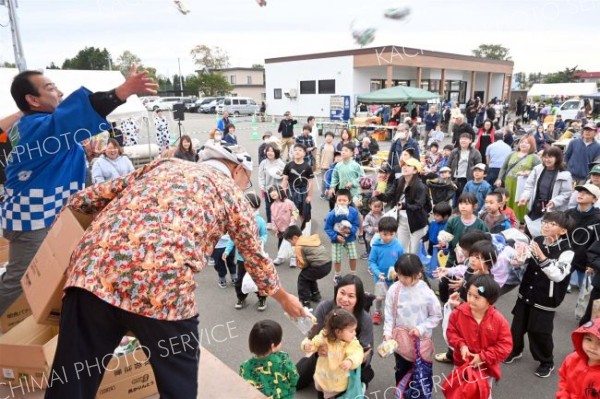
[(304, 84)]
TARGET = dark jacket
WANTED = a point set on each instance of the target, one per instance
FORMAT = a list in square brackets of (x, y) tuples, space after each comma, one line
[(414, 201), (474, 159), (545, 284), (431, 121), (585, 233), (460, 129), (286, 128), (593, 257), (578, 156), (397, 148)]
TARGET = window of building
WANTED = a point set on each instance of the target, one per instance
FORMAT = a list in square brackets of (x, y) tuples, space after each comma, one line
[(308, 87), (232, 79), (263, 96), (249, 80), (456, 89), (377, 84), (327, 86), (277, 94)]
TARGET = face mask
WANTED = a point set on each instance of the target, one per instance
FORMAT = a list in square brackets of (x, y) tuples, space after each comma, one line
[(400, 135), (218, 137), (341, 210)]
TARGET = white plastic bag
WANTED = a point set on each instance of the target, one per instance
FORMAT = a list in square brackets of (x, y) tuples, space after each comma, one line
[(534, 226), (446, 310), (248, 285), (380, 290), (584, 296)]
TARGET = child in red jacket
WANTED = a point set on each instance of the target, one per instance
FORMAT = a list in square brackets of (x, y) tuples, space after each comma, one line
[(579, 375), (479, 333)]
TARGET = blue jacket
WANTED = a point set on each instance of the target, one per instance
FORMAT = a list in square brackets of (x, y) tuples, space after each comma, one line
[(481, 190), (262, 233), (397, 148), (328, 175), (229, 139), (431, 121), (578, 156), (222, 123), (383, 256), (332, 219), (434, 230)]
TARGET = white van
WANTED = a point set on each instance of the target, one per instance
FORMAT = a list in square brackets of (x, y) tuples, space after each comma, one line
[(238, 106), (569, 109)]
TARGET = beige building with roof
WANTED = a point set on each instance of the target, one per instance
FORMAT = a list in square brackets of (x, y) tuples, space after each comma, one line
[(246, 82)]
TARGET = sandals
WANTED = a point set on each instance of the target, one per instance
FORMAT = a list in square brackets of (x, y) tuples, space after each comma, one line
[(442, 358)]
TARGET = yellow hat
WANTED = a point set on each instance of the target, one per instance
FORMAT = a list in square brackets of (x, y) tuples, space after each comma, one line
[(414, 163)]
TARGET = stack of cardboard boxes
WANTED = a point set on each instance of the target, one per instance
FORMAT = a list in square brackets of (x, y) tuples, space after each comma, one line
[(27, 350)]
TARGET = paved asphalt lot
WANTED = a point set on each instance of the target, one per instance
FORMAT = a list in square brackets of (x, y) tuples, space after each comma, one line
[(224, 330)]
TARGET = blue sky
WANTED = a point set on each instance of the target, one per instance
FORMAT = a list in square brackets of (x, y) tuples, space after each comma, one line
[(542, 35)]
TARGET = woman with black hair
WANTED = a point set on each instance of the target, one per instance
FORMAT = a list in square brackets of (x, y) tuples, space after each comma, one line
[(349, 294)]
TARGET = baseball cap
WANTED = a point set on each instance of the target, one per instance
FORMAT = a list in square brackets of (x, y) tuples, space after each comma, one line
[(589, 126), (595, 170), (234, 153), (445, 169), (590, 188), (414, 163), (480, 166)]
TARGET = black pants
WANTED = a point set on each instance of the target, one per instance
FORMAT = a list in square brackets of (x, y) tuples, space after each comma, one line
[(460, 182), (538, 324), (241, 272), (492, 175), (307, 280), (90, 329), (403, 366), (268, 202), (222, 267), (587, 316)]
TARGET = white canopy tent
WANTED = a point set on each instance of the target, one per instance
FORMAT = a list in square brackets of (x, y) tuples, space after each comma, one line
[(68, 81), (562, 89)]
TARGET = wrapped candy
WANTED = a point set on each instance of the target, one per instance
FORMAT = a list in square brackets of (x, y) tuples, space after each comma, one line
[(342, 227), (392, 275), (444, 236), (522, 253), (387, 348), (363, 36), (181, 7), (262, 3), (397, 13)]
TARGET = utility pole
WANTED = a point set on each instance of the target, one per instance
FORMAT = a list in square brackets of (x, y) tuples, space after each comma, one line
[(180, 79), (16, 37)]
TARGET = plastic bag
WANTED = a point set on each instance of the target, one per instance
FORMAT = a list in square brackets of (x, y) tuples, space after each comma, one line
[(380, 289), (534, 226), (442, 259), (355, 389), (423, 255), (584, 296), (387, 348), (248, 285)]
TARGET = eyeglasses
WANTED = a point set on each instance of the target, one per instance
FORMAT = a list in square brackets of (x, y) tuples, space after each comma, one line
[(551, 224)]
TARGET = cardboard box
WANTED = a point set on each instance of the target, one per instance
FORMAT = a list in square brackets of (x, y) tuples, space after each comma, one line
[(596, 309), (44, 280), (26, 354), (16, 313), (129, 376), (3, 250)]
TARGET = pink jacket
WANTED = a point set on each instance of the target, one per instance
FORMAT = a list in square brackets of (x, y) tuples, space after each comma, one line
[(282, 214)]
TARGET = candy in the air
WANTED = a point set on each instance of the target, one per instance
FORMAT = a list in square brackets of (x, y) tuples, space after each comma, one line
[(181, 7), (397, 13), (262, 3), (362, 37)]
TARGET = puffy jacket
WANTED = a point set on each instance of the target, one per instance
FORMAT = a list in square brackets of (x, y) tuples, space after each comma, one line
[(310, 252), (502, 224), (576, 379), (474, 159), (383, 256), (491, 338), (105, 169), (585, 232), (561, 192), (593, 257), (415, 207)]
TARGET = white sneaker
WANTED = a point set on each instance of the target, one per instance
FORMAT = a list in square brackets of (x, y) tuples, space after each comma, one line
[(269, 226), (292, 262), (278, 261)]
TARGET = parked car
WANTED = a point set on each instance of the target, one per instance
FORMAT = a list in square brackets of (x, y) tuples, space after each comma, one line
[(569, 109), (211, 107), (189, 102), (164, 103), (198, 103), (238, 106)]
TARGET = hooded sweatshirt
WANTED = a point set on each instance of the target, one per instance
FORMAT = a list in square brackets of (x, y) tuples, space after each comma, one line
[(383, 256), (577, 379)]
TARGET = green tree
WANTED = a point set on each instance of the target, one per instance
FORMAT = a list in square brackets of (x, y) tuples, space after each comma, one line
[(521, 79), (492, 51), (90, 58), (261, 66), (52, 66), (212, 84), (210, 57), (7, 64), (566, 76), (125, 60)]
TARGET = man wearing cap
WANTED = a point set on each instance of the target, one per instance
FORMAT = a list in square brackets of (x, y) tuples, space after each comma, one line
[(586, 228), (478, 186), (495, 154), (594, 179), (134, 268), (581, 152)]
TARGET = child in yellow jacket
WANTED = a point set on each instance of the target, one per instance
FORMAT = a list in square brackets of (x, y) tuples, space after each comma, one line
[(344, 352)]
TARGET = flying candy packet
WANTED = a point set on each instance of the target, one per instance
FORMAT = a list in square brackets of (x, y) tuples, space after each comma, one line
[(397, 13)]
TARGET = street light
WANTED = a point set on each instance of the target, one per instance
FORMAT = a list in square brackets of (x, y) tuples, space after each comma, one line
[(16, 37)]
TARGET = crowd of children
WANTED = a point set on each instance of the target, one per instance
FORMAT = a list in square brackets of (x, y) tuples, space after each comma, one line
[(487, 256)]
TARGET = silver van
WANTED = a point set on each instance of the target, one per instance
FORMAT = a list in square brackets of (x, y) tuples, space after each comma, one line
[(238, 106)]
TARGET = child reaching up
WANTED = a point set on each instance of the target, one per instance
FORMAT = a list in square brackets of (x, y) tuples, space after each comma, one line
[(478, 332), (410, 304), (270, 371), (579, 374), (344, 352)]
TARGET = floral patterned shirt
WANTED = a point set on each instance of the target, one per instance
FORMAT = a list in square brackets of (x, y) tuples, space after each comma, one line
[(154, 230)]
